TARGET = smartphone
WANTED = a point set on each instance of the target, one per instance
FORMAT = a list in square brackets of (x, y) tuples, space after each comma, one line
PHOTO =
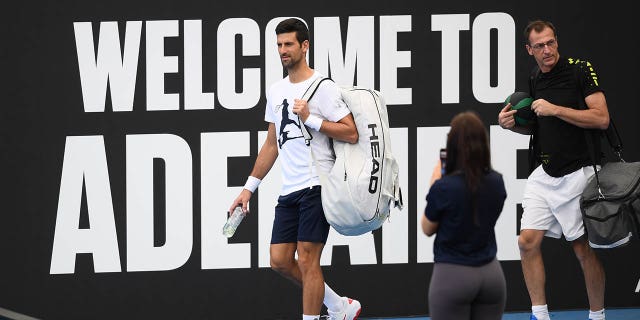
[(443, 159)]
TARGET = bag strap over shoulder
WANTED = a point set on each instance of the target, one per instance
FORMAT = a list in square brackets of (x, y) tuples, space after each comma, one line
[(311, 91), (592, 137), (534, 147), (614, 139), (308, 94)]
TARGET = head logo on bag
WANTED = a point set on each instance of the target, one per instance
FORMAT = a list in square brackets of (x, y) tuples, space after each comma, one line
[(375, 153), (363, 185)]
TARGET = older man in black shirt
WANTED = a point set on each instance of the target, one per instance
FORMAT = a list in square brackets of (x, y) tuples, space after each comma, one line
[(567, 101)]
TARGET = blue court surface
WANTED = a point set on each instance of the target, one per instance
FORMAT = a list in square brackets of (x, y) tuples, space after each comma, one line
[(612, 314)]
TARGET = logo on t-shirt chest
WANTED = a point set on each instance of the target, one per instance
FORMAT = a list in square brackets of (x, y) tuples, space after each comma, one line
[(288, 125)]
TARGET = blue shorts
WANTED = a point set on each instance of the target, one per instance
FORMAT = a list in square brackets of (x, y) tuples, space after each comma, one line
[(299, 217)]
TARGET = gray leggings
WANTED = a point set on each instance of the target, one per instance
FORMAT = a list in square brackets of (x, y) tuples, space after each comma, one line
[(464, 292)]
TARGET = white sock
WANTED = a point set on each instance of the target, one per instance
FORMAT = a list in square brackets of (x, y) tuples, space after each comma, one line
[(596, 315), (541, 312), (331, 299), (307, 317)]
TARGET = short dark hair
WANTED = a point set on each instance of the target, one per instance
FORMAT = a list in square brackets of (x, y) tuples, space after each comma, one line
[(538, 26), (294, 25)]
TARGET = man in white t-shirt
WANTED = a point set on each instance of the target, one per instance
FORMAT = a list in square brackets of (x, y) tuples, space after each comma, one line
[(299, 224)]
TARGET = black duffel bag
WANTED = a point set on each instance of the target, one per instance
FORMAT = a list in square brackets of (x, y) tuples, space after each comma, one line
[(610, 205)]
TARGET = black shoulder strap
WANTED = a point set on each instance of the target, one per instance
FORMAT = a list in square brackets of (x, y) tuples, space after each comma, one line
[(611, 133), (308, 94), (614, 139), (534, 152), (592, 137)]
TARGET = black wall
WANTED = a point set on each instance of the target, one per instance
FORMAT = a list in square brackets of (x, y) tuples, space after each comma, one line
[(43, 106)]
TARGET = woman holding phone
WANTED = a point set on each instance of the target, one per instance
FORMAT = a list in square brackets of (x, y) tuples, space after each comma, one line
[(462, 209)]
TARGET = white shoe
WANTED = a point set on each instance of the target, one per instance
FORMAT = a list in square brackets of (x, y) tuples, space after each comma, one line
[(350, 310)]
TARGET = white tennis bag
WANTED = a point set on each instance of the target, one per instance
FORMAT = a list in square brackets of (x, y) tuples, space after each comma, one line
[(363, 184)]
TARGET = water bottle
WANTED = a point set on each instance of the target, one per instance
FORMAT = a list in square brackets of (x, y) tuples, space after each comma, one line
[(232, 223)]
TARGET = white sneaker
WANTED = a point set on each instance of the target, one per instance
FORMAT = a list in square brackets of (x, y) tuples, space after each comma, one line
[(350, 310)]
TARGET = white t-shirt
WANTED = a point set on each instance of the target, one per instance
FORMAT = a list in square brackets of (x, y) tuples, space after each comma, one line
[(298, 171)]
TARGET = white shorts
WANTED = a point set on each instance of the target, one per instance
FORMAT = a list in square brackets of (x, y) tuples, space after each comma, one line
[(553, 204)]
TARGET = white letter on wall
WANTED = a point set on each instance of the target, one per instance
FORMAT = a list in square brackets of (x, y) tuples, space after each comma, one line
[(158, 65), (194, 98), (504, 145), (250, 34), (391, 59), (362, 249), (359, 51), (269, 191), (430, 140), (85, 161), (395, 231), (142, 255), (506, 60), (109, 66), (216, 149), (450, 25)]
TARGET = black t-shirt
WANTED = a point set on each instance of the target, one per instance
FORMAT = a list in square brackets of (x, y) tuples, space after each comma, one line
[(459, 239), (563, 147)]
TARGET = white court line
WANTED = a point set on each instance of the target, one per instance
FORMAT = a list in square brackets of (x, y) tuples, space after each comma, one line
[(14, 315)]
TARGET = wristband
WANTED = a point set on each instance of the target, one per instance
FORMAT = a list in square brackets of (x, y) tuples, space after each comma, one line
[(313, 122), (252, 183)]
